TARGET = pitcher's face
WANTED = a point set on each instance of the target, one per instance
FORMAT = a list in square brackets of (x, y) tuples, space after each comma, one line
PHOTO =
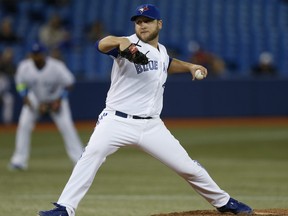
[(147, 29)]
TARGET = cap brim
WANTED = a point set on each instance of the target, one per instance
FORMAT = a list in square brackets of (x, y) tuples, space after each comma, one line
[(133, 18)]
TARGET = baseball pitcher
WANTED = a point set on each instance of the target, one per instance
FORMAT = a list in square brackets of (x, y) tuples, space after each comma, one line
[(132, 116)]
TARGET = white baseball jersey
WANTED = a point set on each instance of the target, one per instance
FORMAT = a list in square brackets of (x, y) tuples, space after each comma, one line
[(138, 89), (47, 83)]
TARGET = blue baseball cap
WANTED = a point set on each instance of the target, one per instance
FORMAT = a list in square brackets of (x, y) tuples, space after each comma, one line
[(147, 10), (37, 48)]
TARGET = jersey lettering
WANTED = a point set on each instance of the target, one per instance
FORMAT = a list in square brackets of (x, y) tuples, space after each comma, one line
[(152, 65)]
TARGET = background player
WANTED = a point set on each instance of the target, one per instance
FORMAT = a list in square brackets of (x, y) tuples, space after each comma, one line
[(43, 82), (132, 117)]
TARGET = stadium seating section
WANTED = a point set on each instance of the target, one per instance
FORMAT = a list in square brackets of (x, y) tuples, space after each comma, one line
[(236, 30)]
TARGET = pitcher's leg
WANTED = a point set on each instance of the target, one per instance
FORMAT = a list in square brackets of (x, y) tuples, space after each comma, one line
[(162, 145), (23, 137), (105, 140)]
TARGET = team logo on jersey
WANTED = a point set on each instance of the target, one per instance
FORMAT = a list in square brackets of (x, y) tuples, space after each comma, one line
[(152, 65), (141, 10)]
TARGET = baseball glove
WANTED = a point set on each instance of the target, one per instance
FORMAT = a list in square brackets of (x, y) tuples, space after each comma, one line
[(53, 106), (134, 55)]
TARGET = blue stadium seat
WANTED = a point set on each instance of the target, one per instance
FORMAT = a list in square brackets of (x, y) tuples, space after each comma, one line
[(96, 64), (235, 30)]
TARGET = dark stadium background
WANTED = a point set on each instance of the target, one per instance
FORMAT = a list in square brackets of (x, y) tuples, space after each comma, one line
[(237, 31)]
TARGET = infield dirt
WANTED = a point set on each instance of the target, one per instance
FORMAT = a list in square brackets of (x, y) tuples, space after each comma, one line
[(270, 212)]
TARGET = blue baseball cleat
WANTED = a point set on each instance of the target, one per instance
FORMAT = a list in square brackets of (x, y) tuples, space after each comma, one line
[(58, 211), (236, 207)]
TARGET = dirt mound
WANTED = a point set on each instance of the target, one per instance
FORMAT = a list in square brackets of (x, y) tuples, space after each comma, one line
[(270, 212)]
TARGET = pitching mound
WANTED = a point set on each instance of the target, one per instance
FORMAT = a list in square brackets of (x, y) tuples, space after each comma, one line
[(270, 212)]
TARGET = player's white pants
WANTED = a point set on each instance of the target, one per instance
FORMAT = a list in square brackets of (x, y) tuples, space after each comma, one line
[(64, 123), (113, 132)]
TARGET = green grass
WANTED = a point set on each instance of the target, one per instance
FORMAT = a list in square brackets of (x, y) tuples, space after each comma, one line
[(249, 162)]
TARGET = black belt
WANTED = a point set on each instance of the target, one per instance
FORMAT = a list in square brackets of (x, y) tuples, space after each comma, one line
[(124, 115)]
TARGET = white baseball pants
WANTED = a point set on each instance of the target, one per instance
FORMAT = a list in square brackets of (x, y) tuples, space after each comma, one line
[(64, 123), (152, 136)]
